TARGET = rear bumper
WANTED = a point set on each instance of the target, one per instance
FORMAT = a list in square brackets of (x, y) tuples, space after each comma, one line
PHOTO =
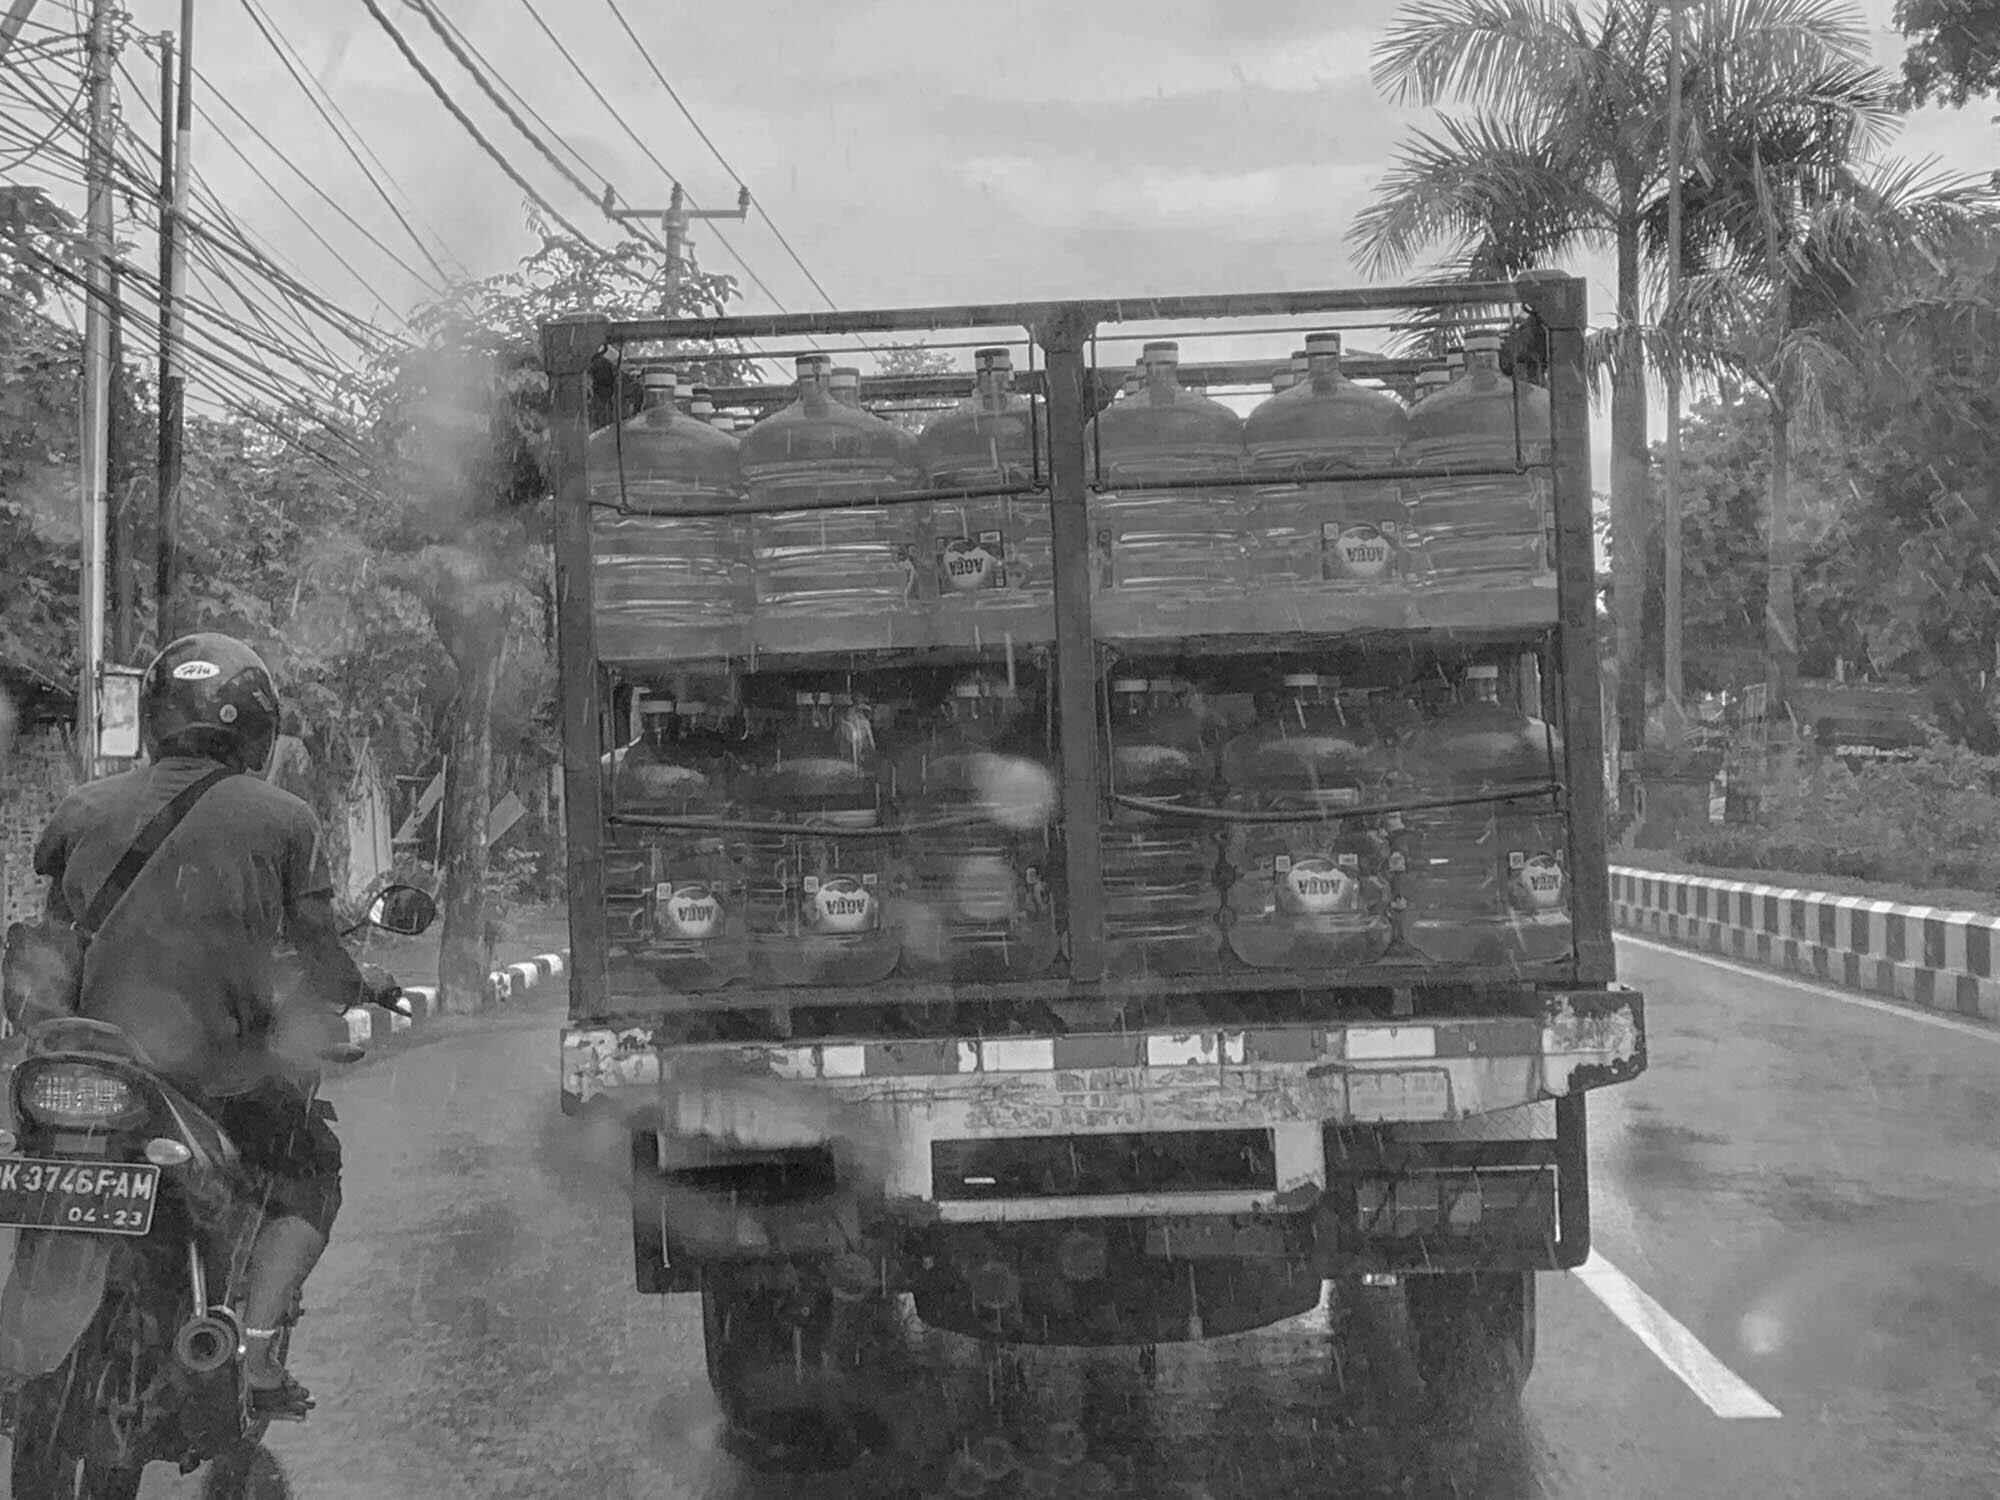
[(1422, 1130)]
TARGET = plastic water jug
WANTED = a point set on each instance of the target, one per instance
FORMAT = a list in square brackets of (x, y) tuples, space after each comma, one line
[(817, 903), (979, 901), (1314, 892), (1487, 881), (1493, 527), (1346, 534), (1161, 900), (993, 553), (1184, 538), (813, 566), (695, 935), (667, 585)]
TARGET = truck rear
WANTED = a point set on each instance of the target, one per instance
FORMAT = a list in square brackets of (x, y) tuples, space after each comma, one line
[(1087, 844)]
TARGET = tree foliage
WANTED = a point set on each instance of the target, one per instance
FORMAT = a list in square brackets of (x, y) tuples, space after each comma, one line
[(1954, 50)]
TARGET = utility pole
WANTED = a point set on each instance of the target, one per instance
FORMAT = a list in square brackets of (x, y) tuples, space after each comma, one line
[(121, 566), (674, 221), (12, 22), (1676, 715), (176, 128), (96, 382)]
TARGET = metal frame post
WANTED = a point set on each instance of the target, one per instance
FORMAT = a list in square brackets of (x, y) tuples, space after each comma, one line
[(568, 349), (1561, 304), (1064, 339)]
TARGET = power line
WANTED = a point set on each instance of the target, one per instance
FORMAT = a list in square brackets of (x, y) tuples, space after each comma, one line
[(465, 120), (674, 94), (305, 177), (266, 31)]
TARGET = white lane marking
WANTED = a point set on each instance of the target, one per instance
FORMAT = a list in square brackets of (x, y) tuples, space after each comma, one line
[(1714, 1384), (1823, 991)]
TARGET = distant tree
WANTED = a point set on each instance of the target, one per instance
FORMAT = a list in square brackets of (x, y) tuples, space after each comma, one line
[(1954, 49)]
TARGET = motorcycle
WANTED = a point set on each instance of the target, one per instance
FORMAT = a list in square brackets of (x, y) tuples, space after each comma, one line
[(121, 1324)]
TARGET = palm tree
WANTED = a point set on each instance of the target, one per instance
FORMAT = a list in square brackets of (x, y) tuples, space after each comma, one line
[(1565, 148), (1781, 306)]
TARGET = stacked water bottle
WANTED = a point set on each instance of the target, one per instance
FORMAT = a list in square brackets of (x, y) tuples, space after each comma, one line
[(876, 837), (1273, 844)]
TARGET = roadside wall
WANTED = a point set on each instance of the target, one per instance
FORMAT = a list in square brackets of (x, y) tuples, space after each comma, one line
[(1939, 960)]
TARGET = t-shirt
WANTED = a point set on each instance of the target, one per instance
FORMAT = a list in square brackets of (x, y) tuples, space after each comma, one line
[(185, 963)]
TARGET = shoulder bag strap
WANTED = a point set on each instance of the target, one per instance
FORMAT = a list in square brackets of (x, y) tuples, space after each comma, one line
[(144, 847)]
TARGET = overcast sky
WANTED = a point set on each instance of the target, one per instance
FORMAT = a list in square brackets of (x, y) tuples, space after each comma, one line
[(911, 150)]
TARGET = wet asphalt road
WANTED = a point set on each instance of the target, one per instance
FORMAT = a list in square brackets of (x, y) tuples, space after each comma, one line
[(1810, 1187)]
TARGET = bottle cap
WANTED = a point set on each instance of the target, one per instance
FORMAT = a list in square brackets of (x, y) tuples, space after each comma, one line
[(659, 380), (1003, 359), (981, 358), (1322, 343), (723, 424), (808, 366), (846, 375), (1283, 381), (1482, 343), (1164, 352)]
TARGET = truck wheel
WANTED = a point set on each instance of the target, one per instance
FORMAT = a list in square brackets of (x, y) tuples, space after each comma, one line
[(1473, 1333), (793, 1395)]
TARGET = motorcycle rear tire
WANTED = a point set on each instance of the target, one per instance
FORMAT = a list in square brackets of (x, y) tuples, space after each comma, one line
[(248, 1471)]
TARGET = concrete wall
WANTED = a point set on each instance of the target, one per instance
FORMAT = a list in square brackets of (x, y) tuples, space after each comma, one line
[(1940, 960)]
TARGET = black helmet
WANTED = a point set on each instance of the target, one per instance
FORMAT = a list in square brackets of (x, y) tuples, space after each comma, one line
[(212, 696)]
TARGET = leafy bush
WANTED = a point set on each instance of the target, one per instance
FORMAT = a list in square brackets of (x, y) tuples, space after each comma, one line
[(1930, 821)]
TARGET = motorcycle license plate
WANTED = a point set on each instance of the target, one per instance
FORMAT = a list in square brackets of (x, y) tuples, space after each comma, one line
[(85, 1197)]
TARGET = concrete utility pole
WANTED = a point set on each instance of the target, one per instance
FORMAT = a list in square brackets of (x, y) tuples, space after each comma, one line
[(12, 22), (1676, 715), (674, 221), (96, 382), (176, 128)]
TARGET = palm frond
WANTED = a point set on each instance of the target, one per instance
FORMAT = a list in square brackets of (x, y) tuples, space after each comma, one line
[(1513, 191), (1492, 53)]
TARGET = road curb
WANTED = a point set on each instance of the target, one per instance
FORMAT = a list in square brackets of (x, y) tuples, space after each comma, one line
[(367, 1025), (1925, 956)]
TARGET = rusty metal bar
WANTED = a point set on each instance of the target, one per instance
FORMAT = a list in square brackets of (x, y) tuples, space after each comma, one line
[(1559, 302), (568, 348), (1063, 341), (1045, 314)]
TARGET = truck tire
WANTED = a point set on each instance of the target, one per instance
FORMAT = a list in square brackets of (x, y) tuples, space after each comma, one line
[(1473, 1333), (793, 1395)]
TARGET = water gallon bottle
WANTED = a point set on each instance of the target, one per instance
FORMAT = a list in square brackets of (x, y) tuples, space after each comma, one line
[(1161, 901), (1494, 528), (979, 903), (695, 939), (1183, 541), (1487, 881), (836, 578), (992, 555), (1314, 892), (816, 904), (1347, 534), (667, 585)]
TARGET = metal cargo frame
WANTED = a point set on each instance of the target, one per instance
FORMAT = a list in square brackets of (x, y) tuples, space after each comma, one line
[(1064, 332)]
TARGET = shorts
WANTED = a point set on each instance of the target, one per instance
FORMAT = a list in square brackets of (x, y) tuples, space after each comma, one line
[(287, 1142)]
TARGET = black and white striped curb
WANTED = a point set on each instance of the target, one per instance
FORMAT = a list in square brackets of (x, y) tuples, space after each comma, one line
[(369, 1023), (1924, 955)]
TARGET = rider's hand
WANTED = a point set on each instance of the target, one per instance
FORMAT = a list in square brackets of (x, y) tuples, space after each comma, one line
[(379, 987)]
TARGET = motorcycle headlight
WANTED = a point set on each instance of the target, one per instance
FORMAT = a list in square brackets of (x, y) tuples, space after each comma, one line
[(75, 1095)]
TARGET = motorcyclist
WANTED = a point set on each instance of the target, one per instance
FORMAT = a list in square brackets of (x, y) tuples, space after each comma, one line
[(185, 964)]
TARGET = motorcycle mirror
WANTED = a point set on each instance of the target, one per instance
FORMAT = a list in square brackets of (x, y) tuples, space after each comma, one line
[(404, 910)]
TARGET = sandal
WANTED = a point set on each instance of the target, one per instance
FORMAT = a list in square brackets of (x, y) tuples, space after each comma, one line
[(289, 1402)]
